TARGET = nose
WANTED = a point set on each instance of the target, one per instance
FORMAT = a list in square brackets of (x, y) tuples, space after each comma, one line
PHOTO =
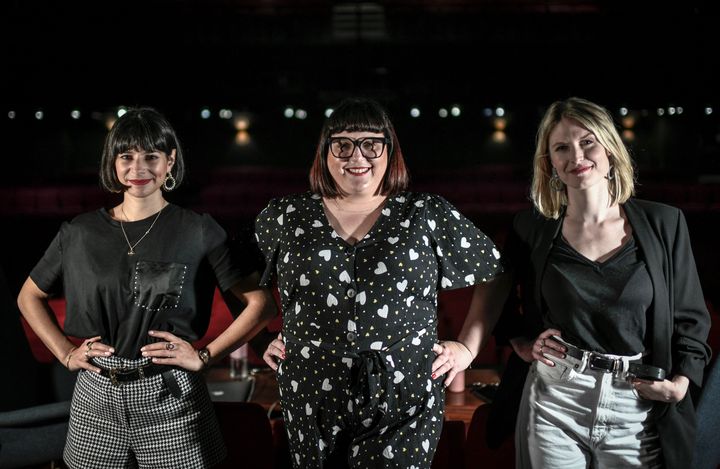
[(357, 154), (139, 165), (578, 154)]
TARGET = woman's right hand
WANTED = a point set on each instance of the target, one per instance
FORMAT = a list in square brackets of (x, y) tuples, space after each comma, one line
[(274, 352), (538, 348), (79, 357)]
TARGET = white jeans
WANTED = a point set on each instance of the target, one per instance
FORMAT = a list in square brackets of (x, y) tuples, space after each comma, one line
[(581, 418)]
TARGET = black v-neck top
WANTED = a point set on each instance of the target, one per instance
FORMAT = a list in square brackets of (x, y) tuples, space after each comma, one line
[(167, 285), (599, 306), (381, 290)]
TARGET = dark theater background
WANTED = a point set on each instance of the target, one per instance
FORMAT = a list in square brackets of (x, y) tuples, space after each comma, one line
[(247, 84)]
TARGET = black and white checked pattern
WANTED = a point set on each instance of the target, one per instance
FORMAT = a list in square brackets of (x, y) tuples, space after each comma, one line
[(140, 423)]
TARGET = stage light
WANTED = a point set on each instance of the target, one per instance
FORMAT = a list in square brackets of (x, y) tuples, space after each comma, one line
[(289, 112), (671, 111), (121, 111), (443, 112), (708, 110), (11, 114), (205, 113), (487, 112), (39, 115), (75, 114), (300, 114), (415, 112), (660, 111), (225, 114), (329, 111), (499, 112), (623, 111), (455, 111)]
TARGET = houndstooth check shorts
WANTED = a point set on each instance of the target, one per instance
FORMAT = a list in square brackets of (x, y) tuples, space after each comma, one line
[(140, 424)]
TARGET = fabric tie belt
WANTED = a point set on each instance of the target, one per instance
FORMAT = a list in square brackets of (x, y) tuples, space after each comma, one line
[(633, 368)]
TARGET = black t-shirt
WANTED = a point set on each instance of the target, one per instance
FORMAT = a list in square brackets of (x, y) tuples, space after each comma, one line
[(167, 285), (598, 306)]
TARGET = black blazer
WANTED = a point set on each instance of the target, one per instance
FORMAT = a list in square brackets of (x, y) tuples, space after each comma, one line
[(678, 321)]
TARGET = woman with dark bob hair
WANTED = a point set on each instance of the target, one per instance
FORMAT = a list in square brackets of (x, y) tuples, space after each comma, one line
[(359, 262), (139, 280)]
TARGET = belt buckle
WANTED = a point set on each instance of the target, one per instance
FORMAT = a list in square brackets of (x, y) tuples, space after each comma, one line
[(601, 363), (113, 376)]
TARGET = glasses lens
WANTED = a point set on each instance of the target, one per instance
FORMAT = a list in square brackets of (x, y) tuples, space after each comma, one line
[(341, 147), (372, 147)]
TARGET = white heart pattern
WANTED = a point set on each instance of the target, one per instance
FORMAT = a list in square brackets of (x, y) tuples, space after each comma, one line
[(308, 409), (428, 387), (304, 282), (400, 199), (405, 224), (383, 312), (386, 212), (297, 458), (317, 224), (344, 276), (326, 386), (464, 243), (409, 300), (348, 362), (355, 450), (280, 219), (431, 224), (367, 422), (413, 255), (411, 411), (301, 437), (381, 268), (426, 290), (401, 285), (419, 203), (297, 308), (336, 429), (393, 239), (430, 402), (361, 298), (299, 231), (496, 253), (414, 424), (325, 254), (439, 251), (290, 209), (286, 258), (455, 213), (470, 278), (331, 300), (294, 385), (389, 359), (398, 377), (376, 346), (316, 343), (416, 341), (445, 282), (305, 352), (351, 325), (426, 445), (388, 452), (321, 445), (426, 240)]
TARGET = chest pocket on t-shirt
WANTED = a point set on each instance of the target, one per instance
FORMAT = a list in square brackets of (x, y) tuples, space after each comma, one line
[(158, 285)]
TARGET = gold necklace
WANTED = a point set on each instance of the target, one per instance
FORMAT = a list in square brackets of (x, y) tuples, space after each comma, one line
[(131, 251)]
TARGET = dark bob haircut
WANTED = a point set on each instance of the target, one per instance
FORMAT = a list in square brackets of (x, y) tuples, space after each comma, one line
[(139, 129), (359, 115)]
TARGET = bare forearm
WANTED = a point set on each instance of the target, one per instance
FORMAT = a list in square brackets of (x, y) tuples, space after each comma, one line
[(260, 310), (35, 309), (485, 308)]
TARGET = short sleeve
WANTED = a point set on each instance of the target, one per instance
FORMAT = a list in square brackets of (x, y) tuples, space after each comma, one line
[(464, 254), (47, 274), (228, 266), (267, 233)]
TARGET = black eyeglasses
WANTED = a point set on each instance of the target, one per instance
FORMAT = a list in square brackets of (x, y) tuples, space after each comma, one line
[(370, 147)]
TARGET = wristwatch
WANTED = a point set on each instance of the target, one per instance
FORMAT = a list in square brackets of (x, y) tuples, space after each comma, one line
[(204, 355)]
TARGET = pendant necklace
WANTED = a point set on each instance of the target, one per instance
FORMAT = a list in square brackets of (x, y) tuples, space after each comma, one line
[(131, 251)]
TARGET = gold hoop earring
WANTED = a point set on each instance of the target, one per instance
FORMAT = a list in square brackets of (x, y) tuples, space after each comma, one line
[(169, 183)]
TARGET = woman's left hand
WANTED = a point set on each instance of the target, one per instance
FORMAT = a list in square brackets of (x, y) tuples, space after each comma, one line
[(452, 358), (663, 391), (172, 351)]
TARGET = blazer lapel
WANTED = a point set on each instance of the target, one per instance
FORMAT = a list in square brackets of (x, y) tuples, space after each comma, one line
[(541, 250)]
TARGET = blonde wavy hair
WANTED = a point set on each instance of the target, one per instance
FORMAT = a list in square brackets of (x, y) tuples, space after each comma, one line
[(597, 120)]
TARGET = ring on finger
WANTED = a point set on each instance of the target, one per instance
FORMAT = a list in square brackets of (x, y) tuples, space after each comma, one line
[(170, 346), (89, 345)]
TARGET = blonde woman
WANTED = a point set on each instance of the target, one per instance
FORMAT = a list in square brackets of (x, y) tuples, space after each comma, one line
[(614, 322)]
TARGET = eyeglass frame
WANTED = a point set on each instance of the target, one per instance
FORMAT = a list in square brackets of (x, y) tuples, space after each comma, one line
[(386, 141)]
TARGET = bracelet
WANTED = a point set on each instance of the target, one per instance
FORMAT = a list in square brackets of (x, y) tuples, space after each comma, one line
[(68, 356)]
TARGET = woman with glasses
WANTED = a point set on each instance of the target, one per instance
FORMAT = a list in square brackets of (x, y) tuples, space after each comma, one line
[(359, 262), (613, 318), (139, 279)]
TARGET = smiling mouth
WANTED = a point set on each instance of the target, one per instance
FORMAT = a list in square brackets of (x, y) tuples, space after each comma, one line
[(357, 171), (139, 182), (581, 170)]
